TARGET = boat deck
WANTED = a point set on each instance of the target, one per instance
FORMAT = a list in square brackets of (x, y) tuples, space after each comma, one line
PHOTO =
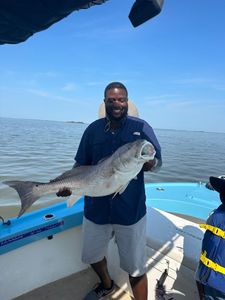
[(73, 287), (189, 218)]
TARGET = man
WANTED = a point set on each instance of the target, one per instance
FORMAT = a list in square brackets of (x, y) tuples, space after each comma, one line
[(124, 215), (210, 274)]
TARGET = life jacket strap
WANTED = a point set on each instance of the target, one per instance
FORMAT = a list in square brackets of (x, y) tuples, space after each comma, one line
[(211, 264), (215, 230)]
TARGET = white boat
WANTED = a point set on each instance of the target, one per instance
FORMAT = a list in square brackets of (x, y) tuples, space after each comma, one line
[(41, 251)]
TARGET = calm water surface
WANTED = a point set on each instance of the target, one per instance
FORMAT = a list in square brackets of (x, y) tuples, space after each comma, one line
[(40, 150)]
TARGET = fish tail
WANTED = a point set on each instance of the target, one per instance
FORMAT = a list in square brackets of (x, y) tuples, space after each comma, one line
[(27, 192)]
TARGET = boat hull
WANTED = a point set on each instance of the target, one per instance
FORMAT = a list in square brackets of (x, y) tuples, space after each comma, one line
[(44, 246)]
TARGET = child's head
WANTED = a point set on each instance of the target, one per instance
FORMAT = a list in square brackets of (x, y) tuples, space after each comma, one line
[(218, 183)]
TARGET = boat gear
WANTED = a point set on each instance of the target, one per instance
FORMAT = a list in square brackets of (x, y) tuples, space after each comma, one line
[(5, 222)]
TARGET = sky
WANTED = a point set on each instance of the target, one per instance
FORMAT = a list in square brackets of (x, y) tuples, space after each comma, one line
[(173, 66)]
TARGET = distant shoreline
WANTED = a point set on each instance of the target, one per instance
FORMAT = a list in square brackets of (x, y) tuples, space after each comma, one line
[(86, 123), (75, 122)]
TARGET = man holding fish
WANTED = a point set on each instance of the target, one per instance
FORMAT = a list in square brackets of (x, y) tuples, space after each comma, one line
[(111, 159), (124, 214)]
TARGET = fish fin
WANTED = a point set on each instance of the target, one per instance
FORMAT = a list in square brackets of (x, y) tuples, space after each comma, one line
[(25, 189), (121, 189), (72, 200)]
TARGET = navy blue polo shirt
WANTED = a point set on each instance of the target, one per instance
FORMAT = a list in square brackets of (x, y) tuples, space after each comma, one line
[(96, 143)]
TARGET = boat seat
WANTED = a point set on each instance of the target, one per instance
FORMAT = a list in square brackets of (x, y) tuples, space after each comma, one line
[(174, 236)]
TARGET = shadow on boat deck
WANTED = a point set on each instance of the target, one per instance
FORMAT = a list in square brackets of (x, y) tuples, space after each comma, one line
[(73, 287)]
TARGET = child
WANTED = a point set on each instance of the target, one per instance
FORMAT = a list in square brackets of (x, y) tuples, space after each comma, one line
[(210, 274)]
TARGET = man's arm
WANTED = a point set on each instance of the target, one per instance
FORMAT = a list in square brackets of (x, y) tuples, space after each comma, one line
[(155, 164)]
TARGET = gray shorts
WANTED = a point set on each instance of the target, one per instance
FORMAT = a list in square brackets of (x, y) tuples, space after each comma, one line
[(131, 242)]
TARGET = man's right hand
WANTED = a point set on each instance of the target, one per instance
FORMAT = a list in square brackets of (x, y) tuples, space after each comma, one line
[(64, 192)]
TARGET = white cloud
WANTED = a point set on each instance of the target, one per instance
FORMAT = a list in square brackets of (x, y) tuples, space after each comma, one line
[(49, 74), (96, 83), (194, 80), (50, 96), (202, 81), (69, 87)]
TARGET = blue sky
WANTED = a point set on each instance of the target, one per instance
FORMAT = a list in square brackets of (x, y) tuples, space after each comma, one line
[(173, 66)]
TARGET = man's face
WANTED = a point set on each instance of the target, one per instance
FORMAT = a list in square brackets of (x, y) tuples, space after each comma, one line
[(116, 103)]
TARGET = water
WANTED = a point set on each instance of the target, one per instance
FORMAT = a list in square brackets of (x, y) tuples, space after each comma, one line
[(40, 150)]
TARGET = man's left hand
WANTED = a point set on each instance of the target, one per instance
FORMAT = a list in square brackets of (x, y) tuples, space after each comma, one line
[(149, 165)]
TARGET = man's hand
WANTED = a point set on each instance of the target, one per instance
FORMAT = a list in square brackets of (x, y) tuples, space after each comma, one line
[(149, 165), (64, 192), (152, 165)]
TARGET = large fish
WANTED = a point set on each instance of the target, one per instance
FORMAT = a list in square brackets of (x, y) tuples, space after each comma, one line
[(110, 176)]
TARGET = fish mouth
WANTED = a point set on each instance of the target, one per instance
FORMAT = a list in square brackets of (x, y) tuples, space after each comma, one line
[(147, 151)]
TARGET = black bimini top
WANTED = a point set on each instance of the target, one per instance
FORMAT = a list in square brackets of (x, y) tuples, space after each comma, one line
[(20, 19)]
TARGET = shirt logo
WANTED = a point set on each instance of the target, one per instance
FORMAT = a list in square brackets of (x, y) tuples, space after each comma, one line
[(136, 133)]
